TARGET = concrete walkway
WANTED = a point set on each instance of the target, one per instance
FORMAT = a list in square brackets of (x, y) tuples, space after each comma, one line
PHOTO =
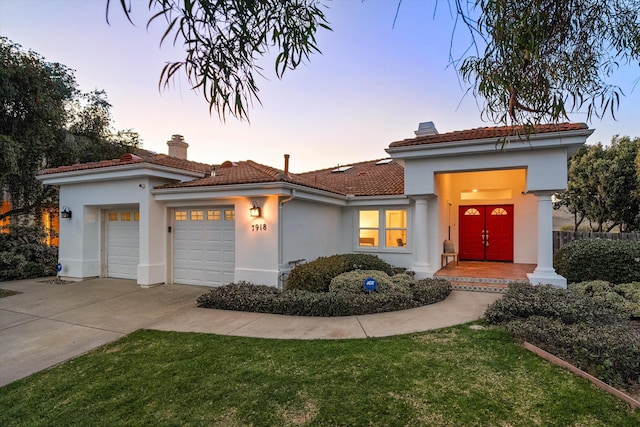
[(48, 324)]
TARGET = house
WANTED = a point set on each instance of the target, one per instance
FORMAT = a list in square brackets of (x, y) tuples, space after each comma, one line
[(159, 218), (48, 215)]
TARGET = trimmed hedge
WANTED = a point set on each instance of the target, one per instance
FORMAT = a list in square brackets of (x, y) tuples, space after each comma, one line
[(609, 352), (353, 282), (244, 296), (625, 297), (616, 261), (316, 275), (586, 325)]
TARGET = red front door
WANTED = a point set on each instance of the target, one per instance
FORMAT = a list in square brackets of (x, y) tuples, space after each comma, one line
[(486, 232)]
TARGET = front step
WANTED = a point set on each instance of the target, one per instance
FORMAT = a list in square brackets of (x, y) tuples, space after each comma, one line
[(480, 287), (479, 284)]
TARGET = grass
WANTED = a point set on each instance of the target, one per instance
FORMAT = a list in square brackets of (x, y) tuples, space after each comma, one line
[(451, 377), (7, 293)]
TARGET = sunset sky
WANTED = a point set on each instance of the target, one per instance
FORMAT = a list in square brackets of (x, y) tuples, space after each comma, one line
[(371, 85)]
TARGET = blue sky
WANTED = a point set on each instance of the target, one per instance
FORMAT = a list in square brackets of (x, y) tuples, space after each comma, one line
[(371, 85)]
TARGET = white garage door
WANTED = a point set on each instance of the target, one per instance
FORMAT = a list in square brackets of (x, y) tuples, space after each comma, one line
[(123, 243), (203, 246)]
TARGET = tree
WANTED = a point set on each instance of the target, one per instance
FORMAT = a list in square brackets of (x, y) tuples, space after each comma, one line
[(45, 121), (604, 186), (541, 59)]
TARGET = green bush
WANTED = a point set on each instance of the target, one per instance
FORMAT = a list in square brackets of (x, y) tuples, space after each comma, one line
[(264, 299), (429, 291), (522, 301), (23, 253), (616, 295), (353, 282), (631, 292), (616, 261), (316, 275), (403, 279), (610, 352)]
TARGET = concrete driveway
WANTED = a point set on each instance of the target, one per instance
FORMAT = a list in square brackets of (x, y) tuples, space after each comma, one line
[(48, 324)]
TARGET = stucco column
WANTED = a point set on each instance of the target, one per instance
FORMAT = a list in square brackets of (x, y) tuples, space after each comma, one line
[(421, 239), (544, 272)]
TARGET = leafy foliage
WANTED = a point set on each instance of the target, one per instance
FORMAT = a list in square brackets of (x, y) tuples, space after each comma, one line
[(344, 301), (223, 40), (544, 58), (316, 275), (45, 121), (353, 282), (23, 253), (604, 186), (541, 59), (625, 296), (585, 325), (616, 261)]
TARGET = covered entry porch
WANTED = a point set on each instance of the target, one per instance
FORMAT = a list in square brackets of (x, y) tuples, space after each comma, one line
[(484, 276)]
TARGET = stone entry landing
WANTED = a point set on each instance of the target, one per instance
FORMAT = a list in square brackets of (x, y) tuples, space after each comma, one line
[(484, 276)]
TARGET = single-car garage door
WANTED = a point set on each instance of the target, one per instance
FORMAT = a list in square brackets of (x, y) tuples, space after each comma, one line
[(203, 246), (123, 243)]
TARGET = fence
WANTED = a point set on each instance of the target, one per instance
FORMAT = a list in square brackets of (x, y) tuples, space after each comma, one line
[(562, 238)]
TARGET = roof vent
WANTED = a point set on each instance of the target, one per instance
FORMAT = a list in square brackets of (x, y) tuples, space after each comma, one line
[(425, 129)]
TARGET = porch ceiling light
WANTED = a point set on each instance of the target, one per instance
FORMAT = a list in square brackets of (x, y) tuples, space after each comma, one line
[(255, 211), (66, 213)]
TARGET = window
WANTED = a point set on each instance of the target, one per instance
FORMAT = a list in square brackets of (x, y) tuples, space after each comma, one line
[(229, 215), (125, 216), (499, 211), (392, 222), (180, 215), (196, 216), (113, 216), (472, 212), (369, 228), (396, 228), (213, 215), (136, 216)]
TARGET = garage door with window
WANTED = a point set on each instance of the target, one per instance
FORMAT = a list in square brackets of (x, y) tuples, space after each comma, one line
[(204, 246), (123, 243)]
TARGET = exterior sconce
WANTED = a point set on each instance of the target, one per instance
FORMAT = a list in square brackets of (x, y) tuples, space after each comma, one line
[(255, 211), (66, 213)]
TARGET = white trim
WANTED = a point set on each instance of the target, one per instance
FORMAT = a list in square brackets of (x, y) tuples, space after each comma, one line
[(117, 172)]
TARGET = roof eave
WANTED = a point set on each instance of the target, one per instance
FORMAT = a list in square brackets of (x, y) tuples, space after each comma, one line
[(132, 170)]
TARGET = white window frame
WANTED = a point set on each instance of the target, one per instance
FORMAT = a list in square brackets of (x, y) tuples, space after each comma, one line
[(382, 229)]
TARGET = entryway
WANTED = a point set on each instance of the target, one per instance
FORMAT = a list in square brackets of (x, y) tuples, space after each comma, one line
[(484, 276), (486, 233)]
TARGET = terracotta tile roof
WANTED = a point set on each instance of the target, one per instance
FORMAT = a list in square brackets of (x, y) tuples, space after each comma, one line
[(362, 179), (372, 178), (485, 133), (142, 156)]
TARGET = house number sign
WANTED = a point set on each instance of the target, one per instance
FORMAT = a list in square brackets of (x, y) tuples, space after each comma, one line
[(258, 227)]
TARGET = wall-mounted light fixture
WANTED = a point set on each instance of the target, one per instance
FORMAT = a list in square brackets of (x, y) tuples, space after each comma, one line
[(255, 211), (66, 213)]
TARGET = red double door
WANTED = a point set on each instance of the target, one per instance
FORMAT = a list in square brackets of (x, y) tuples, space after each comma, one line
[(486, 233)]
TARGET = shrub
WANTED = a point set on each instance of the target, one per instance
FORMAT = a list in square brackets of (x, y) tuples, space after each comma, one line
[(610, 352), (430, 291), (607, 292), (316, 275), (403, 279), (24, 255), (522, 301), (631, 292), (353, 282), (616, 261), (245, 296)]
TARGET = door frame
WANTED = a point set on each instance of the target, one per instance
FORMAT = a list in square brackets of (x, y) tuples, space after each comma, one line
[(483, 210)]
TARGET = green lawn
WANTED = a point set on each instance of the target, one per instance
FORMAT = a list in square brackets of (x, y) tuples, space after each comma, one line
[(454, 377)]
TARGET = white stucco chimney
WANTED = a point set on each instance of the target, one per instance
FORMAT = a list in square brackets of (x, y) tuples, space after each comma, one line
[(177, 147), (426, 128)]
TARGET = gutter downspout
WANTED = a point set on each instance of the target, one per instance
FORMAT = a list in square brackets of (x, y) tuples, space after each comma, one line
[(281, 237)]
